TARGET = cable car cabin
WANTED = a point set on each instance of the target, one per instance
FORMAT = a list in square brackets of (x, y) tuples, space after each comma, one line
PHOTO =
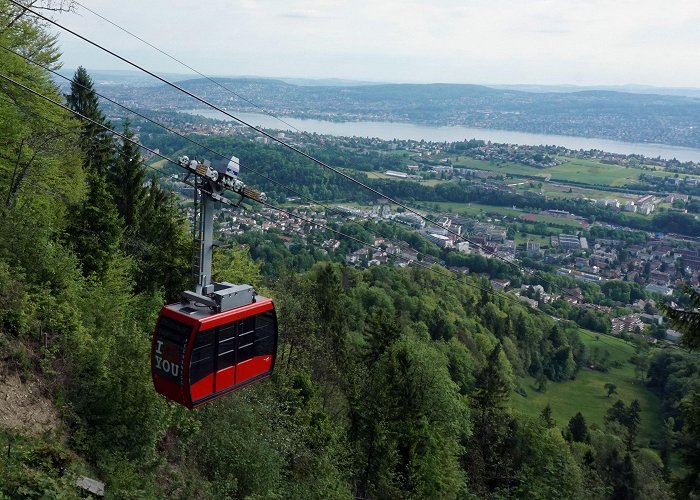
[(199, 355)]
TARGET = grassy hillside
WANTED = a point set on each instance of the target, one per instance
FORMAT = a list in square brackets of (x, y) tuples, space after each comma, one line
[(588, 395)]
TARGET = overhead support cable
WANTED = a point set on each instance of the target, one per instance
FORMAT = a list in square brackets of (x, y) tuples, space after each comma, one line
[(283, 143), (192, 141), (173, 58), (437, 270), (225, 201), (259, 131)]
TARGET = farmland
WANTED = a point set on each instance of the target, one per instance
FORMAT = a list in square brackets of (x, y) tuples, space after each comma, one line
[(579, 171)]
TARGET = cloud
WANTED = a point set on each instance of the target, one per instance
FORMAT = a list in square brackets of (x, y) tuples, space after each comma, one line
[(479, 41), (305, 15)]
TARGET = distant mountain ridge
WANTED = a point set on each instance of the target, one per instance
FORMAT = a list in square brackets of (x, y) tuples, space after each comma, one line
[(596, 113)]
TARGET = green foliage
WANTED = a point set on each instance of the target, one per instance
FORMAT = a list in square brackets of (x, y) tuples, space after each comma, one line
[(687, 321), (628, 418), (689, 485), (546, 417), (161, 247), (389, 383), (96, 231), (34, 469), (127, 177), (414, 421), (96, 143), (235, 266), (15, 306), (546, 466), (577, 429)]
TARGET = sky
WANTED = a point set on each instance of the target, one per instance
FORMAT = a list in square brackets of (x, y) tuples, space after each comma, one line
[(543, 42)]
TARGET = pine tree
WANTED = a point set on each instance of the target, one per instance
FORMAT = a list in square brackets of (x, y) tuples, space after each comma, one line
[(578, 430), (623, 488), (488, 460), (97, 144), (96, 233), (633, 419), (127, 179), (492, 384), (380, 332), (546, 416), (162, 247), (329, 294)]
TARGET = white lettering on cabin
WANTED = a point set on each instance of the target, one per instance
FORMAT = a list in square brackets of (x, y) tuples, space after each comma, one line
[(169, 367)]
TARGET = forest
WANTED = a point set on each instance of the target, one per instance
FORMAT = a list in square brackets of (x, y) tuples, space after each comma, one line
[(389, 383)]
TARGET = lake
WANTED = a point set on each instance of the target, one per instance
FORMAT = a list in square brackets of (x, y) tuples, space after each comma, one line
[(409, 131)]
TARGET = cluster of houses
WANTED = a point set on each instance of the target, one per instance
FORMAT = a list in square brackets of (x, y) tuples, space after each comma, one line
[(644, 205), (658, 265), (388, 253)]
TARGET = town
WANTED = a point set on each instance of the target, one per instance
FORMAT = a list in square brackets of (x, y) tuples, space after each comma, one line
[(589, 258), (659, 266)]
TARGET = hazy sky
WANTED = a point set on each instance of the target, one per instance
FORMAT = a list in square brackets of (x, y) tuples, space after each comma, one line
[(584, 42)]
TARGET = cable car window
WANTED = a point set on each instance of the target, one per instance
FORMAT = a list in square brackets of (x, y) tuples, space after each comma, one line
[(246, 339), (246, 347), (248, 324), (227, 346), (264, 334), (169, 349), (202, 358)]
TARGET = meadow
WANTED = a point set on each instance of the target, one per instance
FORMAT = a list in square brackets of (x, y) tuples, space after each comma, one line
[(588, 395)]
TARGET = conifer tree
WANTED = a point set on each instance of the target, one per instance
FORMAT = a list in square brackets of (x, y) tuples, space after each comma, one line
[(546, 416), (162, 247), (487, 458), (381, 331), (96, 231), (578, 430), (127, 179), (329, 293), (492, 384), (97, 144)]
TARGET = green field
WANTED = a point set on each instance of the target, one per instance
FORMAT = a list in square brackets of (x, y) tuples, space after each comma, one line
[(550, 219), (377, 175), (474, 208), (381, 175), (588, 395), (478, 209), (562, 191), (159, 164), (574, 170), (521, 239)]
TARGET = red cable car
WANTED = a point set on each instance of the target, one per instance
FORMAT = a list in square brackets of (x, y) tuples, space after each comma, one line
[(198, 356), (222, 337)]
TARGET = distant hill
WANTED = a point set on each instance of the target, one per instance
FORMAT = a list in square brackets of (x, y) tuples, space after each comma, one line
[(632, 89), (599, 113)]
